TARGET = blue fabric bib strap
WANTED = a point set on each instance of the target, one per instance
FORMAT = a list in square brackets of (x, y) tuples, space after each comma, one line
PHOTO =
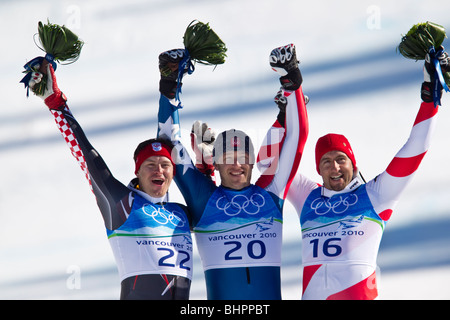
[(439, 81)]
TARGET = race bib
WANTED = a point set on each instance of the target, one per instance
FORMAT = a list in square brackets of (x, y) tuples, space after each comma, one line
[(343, 228), (240, 229), (155, 239)]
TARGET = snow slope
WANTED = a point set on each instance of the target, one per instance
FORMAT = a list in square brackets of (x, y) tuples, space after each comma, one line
[(53, 243)]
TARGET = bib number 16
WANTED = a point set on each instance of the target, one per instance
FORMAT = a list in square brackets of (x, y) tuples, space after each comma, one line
[(329, 247)]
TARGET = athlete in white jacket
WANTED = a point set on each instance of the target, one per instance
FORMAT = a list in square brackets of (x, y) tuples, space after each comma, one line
[(343, 218)]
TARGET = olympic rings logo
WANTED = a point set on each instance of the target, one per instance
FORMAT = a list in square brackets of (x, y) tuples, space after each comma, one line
[(163, 217), (240, 203), (323, 206)]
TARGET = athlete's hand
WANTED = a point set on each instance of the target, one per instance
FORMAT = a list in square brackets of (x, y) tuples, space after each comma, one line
[(429, 74), (169, 62), (202, 142), (428, 69), (53, 97), (284, 61)]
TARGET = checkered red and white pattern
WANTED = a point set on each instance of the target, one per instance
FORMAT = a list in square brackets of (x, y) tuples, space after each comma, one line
[(71, 141)]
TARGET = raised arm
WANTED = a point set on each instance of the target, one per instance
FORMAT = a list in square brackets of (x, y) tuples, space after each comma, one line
[(386, 189), (111, 195), (282, 149), (193, 184)]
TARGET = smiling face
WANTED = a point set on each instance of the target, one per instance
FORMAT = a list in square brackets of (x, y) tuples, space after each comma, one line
[(235, 170), (336, 170), (155, 175)]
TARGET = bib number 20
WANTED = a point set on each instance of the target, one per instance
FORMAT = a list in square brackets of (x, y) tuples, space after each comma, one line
[(256, 249)]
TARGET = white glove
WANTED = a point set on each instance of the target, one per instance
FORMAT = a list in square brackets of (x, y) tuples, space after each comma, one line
[(202, 142), (52, 96)]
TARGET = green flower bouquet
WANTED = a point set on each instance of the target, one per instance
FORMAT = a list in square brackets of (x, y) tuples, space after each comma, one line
[(60, 44), (203, 44), (422, 38)]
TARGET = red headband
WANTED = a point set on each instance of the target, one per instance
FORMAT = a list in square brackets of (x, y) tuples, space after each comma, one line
[(153, 149)]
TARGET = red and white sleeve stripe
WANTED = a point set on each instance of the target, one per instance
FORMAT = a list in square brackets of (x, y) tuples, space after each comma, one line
[(385, 190), (409, 157), (280, 154)]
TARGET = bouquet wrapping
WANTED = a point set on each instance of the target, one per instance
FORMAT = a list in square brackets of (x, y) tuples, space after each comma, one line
[(60, 45)]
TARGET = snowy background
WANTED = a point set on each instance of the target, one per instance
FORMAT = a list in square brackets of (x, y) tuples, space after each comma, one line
[(52, 240)]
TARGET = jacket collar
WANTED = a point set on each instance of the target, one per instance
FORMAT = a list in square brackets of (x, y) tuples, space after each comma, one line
[(133, 184), (353, 185)]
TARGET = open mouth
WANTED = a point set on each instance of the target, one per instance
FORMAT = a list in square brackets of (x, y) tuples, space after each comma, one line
[(158, 182), (335, 178)]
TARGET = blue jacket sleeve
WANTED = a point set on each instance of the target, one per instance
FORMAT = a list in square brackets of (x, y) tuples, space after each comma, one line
[(195, 187)]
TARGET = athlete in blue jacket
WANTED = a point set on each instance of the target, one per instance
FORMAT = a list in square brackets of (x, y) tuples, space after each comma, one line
[(238, 225)]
